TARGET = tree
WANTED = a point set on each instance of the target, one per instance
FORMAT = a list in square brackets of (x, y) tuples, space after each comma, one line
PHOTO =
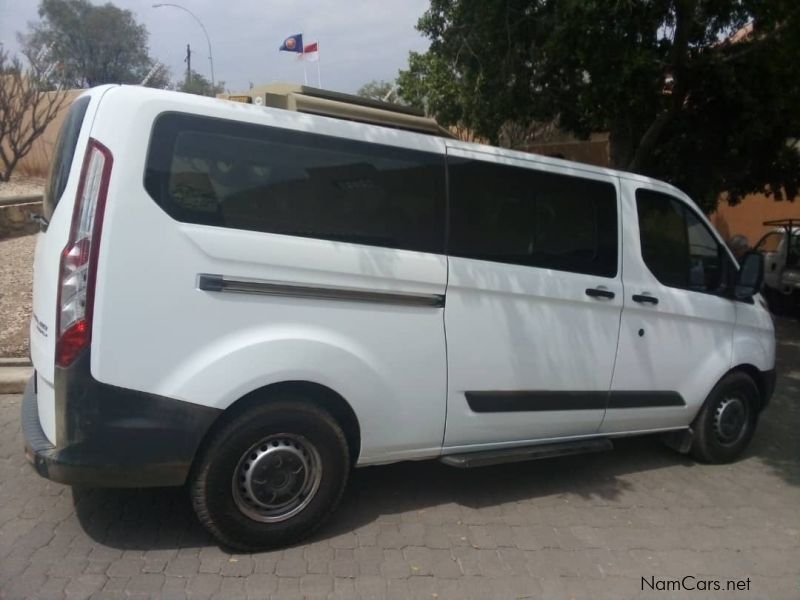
[(430, 85), (201, 86), (26, 109), (681, 97), (378, 90), (93, 44)]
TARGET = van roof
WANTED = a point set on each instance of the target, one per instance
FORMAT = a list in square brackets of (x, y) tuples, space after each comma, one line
[(214, 103)]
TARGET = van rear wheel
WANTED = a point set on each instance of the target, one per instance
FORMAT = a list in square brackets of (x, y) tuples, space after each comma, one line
[(725, 425), (271, 475)]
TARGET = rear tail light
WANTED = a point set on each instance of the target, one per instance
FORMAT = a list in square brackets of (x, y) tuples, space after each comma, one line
[(78, 270)]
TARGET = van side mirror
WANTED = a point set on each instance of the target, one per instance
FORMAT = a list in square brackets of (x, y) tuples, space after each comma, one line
[(750, 276)]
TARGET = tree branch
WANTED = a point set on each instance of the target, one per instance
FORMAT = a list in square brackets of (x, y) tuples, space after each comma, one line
[(684, 16)]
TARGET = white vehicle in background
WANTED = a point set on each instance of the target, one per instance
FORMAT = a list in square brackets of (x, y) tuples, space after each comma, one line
[(781, 250), (251, 301)]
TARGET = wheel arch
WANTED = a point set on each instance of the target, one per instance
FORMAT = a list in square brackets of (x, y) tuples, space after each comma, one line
[(758, 377), (316, 393)]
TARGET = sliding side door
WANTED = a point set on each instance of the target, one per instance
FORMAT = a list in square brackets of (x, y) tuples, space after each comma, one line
[(533, 300)]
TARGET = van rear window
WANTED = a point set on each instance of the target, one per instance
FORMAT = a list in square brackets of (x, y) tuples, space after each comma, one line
[(243, 176), (63, 155)]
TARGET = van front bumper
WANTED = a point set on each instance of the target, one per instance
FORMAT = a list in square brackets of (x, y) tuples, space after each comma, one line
[(113, 437)]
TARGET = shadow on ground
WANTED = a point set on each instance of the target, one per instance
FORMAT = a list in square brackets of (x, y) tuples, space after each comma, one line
[(777, 443), (163, 517)]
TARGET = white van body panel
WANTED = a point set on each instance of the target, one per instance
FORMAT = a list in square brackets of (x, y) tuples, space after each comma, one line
[(683, 344), (513, 327), (156, 332), (754, 336)]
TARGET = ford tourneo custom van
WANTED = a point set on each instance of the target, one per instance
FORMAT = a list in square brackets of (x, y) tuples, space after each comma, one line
[(251, 301)]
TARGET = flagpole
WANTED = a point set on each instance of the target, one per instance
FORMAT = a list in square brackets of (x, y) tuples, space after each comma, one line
[(319, 76), (305, 75)]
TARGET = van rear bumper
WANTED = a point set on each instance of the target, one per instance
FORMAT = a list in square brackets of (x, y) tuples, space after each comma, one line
[(113, 437)]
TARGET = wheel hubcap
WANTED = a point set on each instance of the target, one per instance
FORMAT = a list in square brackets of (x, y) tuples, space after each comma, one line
[(730, 421), (277, 478)]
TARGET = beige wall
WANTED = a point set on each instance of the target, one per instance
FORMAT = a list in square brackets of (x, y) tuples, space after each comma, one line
[(37, 162), (747, 217)]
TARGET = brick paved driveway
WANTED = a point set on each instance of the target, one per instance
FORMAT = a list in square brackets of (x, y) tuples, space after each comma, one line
[(577, 527)]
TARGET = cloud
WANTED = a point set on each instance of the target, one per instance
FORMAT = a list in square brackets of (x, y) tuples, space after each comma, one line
[(359, 40)]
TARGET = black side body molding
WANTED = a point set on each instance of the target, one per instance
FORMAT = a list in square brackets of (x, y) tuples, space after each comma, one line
[(220, 283), (546, 400), (110, 436)]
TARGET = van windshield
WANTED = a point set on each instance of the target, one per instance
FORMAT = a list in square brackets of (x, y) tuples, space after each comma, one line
[(63, 155)]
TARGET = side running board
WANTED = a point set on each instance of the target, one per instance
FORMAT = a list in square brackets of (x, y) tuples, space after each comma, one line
[(469, 460)]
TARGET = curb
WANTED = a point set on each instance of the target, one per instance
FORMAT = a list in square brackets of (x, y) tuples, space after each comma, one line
[(27, 199), (15, 362), (14, 374)]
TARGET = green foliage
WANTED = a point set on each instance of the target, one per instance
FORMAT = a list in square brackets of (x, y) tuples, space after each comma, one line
[(680, 99), (430, 84), (92, 44), (201, 86), (377, 90)]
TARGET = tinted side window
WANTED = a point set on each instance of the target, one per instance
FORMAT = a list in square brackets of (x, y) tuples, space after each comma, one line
[(63, 154), (244, 176), (532, 218), (677, 247)]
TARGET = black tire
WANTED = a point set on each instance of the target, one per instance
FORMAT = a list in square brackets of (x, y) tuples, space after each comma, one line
[(725, 425), (313, 438)]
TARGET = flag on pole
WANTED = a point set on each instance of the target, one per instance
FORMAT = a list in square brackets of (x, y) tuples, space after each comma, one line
[(294, 43), (311, 52)]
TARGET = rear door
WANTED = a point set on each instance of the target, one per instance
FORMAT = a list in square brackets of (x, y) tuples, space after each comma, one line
[(58, 202), (677, 325), (533, 300)]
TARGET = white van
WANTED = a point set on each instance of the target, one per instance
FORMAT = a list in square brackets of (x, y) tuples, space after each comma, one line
[(251, 301), (781, 250)]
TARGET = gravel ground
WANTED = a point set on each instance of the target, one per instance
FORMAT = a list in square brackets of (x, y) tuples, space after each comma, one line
[(16, 278)]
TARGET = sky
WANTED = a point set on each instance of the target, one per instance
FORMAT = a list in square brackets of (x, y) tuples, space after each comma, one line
[(359, 40)]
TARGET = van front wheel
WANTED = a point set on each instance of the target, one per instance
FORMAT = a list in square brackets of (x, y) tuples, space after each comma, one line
[(725, 425), (270, 476)]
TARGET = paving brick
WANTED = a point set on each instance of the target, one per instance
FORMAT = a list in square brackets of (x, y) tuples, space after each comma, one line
[(260, 585), (317, 557), (203, 585), (237, 566), (52, 589), (343, 563), (232, 588), (147, 583), (183, 566), (293, 566), (84, 586), (394, 566), (125, 567), (23, 586)]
